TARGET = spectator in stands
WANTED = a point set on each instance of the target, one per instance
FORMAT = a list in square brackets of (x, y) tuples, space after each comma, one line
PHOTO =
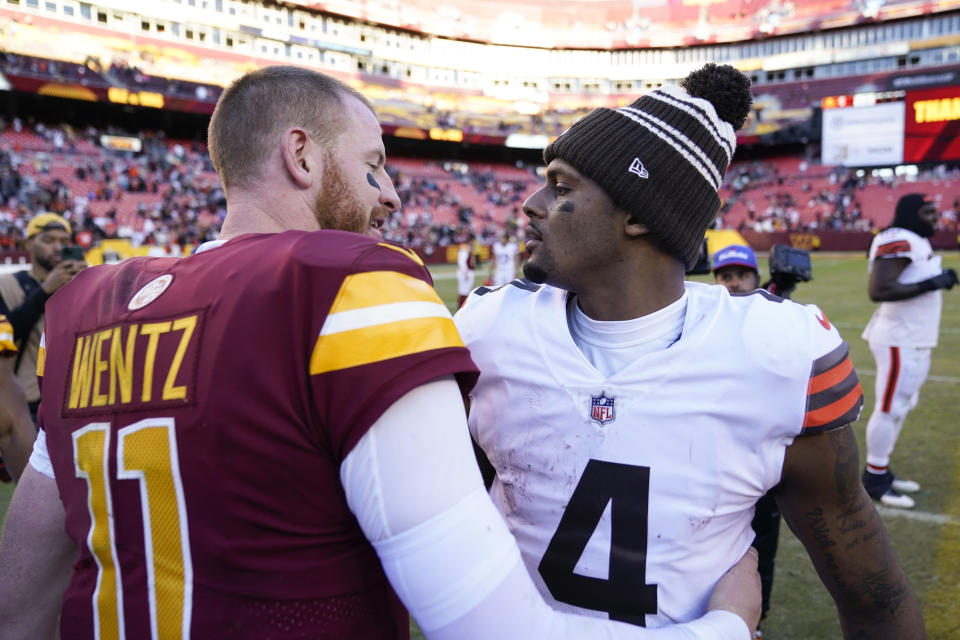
[(907, 280), (356, 377), (24, 293), (634, 419)]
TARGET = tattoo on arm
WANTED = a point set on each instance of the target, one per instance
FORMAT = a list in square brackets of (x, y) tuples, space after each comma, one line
[(832, 515)]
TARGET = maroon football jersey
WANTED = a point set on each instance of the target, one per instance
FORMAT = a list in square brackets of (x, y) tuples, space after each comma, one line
[(197, 411)]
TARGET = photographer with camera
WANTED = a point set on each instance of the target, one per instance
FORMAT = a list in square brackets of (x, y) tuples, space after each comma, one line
[(735, 267), (907, 280), (23, 294)]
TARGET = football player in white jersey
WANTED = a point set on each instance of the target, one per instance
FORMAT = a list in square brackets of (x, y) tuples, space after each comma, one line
[(610, 400), (465, 270), (504, 263), (907, 280)]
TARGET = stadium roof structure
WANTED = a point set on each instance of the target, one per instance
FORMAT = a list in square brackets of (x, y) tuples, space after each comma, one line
[(622, 24)]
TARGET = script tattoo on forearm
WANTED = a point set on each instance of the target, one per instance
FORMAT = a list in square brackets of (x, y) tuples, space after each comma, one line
[(870, 577)]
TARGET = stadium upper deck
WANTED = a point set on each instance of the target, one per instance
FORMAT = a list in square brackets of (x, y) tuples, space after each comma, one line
[(178, 53), (614, 24)]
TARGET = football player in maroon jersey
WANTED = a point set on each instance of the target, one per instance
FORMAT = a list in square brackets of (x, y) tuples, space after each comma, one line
[(267, 438)]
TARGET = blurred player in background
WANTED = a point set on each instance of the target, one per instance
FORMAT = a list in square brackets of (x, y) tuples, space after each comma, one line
[(907, 280), (16, 426), (632, 419), (506, 254), (465, 270), (260, 439)]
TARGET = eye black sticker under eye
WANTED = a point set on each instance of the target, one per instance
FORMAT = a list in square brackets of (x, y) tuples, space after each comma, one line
[(566, 206), (373, 182)]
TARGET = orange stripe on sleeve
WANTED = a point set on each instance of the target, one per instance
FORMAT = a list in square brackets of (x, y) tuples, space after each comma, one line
[(834, 410), (898, 246), (832, 377)]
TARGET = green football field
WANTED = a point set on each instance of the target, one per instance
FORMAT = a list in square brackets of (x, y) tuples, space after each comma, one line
[(927, 538)]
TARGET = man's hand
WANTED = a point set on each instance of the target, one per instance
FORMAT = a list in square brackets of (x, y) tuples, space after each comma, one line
[(738, 591), (951, 276), (62, 274), (781, 284), (946, 280)]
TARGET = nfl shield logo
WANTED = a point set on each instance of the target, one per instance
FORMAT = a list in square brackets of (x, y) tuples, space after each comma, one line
[(602, 408)]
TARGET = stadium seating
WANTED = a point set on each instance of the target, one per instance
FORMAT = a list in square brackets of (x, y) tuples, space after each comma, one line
[(441, 199)]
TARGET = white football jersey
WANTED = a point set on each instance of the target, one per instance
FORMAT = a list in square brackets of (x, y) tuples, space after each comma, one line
[(631, 495), (914, 322)]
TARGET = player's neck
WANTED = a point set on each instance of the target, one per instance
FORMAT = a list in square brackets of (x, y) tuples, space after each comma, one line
[(249, 213), (651, 286)]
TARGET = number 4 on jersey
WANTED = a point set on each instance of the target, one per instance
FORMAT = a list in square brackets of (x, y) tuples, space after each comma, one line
[(625, 594)]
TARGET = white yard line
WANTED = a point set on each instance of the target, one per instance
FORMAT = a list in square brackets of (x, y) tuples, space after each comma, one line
[(921, 516), (945, 379), (860, 327)]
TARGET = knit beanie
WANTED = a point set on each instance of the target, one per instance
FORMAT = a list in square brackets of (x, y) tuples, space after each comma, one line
[(663, 157), (907, 214)]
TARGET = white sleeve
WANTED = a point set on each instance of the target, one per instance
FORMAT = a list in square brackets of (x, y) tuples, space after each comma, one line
[(40, 459), (412, 482)]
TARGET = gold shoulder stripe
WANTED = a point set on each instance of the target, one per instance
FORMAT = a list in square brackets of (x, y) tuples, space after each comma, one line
[(42, 355), (382, 342), (407, 252), (7, 345), (372, 288)]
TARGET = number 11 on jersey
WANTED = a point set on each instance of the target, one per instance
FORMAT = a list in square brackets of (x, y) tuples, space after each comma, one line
[(625, 595), (147, 453)]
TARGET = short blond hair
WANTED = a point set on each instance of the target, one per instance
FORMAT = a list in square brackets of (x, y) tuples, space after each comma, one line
[(259, 106)]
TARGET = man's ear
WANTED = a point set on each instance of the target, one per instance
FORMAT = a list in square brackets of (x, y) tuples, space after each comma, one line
[(633, 227), (301, 165)]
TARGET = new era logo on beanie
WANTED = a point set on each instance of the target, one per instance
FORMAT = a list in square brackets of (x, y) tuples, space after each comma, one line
[(686, 136), (637, 167)]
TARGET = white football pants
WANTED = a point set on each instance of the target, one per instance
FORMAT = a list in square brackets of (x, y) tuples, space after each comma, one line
[(901, 371)]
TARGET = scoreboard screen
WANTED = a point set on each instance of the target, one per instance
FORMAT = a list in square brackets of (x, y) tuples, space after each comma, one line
[(863, 130), (932, 125), (891, 127)]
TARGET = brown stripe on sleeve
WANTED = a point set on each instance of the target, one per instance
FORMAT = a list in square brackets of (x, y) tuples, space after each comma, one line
[(834, 394), (829, 361)]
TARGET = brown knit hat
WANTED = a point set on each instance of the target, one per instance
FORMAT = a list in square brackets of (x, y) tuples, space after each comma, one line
[(663, 157)]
